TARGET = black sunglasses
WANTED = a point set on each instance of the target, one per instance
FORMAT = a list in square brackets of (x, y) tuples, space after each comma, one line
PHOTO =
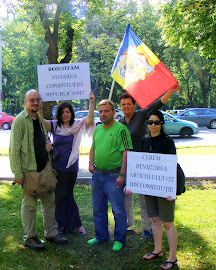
[(151, 122)]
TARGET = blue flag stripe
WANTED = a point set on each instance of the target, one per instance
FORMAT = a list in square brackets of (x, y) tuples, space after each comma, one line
[(129, 39)]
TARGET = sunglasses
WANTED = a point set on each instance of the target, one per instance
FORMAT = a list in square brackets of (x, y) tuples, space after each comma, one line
[(151, 122)]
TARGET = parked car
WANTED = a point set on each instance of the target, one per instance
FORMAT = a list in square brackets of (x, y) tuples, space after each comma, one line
[(175, 112), (6, 121), (174, 126), (55, 109), (201, 116), (84, 113), (118, 114)]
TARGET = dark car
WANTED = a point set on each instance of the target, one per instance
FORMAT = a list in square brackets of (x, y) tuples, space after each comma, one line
[(201, 116), (175, 112), (6, 121)]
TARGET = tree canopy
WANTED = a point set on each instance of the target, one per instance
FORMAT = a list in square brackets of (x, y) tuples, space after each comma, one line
[(191, 24), (48, 31)]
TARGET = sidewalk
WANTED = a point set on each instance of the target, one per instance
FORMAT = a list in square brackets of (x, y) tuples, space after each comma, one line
[(194, 167), (83, 175)]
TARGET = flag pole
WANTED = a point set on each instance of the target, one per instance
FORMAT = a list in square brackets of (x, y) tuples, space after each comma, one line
[(111, 90)]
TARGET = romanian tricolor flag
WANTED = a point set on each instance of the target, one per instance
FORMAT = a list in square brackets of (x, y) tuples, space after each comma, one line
[(138, 70)]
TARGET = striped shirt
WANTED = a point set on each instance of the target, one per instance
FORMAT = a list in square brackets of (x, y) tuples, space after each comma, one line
[(21, 149)]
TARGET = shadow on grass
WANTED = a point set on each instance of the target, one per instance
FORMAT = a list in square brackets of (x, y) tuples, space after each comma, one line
[(195, 250)]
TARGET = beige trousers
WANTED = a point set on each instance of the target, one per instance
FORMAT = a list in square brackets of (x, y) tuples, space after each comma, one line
[(146, 220), (29, 210)]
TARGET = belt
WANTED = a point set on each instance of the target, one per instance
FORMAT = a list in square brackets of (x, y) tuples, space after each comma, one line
[(108, 171)]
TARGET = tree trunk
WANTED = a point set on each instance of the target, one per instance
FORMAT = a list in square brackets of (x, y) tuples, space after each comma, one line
[(205, 90), (52, 52)]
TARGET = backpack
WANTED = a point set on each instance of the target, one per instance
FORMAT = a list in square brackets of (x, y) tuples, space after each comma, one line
[(180, 180)]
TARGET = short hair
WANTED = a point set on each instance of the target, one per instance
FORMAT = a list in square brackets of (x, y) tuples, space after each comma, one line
[(62, 105), (107, 102), (126, 95)]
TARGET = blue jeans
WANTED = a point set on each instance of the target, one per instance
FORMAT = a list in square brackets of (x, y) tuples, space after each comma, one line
[(103, 189)]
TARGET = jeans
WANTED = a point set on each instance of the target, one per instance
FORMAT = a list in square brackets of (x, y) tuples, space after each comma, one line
[(103, 189)]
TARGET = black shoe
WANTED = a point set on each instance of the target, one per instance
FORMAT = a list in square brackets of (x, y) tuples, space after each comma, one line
[(130, 232), (34, 243), (58, 239)]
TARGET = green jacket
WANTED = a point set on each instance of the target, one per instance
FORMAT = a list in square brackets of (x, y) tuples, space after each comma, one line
[(21, 149)]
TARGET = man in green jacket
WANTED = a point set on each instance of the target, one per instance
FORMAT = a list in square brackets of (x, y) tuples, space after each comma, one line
[(28, 151)]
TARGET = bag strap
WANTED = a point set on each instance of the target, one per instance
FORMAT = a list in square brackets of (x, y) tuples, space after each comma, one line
[(46, 137)]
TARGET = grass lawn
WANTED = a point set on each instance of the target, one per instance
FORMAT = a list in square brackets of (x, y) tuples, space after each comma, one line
[(195, 220), (196, 150), (181, 150)]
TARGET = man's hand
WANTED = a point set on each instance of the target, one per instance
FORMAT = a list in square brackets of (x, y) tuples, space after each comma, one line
[(175, 88), (120, 181), (18, 181), (91, 168), (169, 198), (169, 93), (48, 146), (91, 97)]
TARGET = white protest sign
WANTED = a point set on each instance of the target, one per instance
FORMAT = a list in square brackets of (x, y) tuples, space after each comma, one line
[(64, 81), (151, 174)]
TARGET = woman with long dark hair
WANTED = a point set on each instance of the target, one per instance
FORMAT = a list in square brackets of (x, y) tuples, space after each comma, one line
[(161, 210), (67, 133)]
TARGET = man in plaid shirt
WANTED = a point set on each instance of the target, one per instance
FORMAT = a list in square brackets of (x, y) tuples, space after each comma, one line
[(28, 151)]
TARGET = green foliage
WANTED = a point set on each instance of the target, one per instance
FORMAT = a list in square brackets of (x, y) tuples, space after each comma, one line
[(91, 31), (103, 34), (192, 71), (145, 26), (22, 51), (191, 24)]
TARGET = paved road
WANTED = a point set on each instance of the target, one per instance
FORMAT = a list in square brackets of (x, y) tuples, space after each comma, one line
[(204, 137), (193, 166)]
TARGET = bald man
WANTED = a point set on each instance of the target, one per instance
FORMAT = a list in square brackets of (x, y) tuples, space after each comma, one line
[(28, 151)]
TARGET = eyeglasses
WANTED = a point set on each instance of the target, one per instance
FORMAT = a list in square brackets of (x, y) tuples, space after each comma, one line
[(151, 122), (32, 100)]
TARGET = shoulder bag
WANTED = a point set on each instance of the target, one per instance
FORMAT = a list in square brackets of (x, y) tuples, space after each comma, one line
[(36, 183)]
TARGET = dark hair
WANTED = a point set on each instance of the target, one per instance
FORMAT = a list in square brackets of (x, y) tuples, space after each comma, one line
[(107, 102), (160, 116), (126, 95), (62, 105)]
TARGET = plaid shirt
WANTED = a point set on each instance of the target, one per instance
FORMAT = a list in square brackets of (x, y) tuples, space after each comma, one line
[(21, 149)]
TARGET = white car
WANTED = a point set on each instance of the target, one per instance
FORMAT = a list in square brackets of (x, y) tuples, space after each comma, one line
[(84, 113), (119, 114)]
